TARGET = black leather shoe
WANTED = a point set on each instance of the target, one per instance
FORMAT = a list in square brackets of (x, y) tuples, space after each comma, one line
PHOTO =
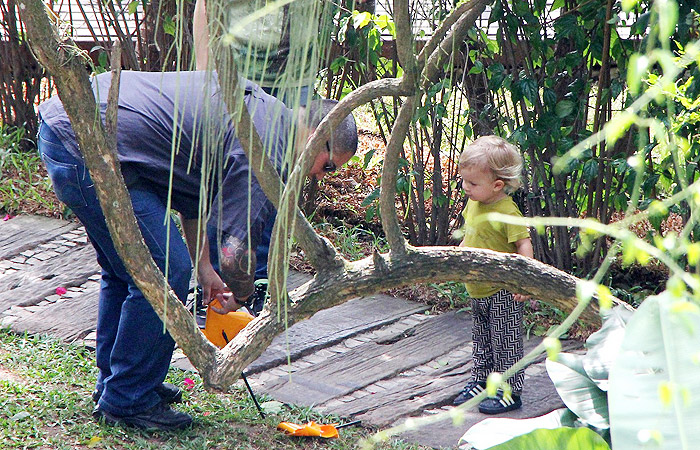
[(160, 417), (169, 393)]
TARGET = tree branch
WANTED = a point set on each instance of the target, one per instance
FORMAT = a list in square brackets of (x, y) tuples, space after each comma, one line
[(386, 271), (113, 97), (433, 66), (405, 43), (439, 264), (387, 196), (444, 28)]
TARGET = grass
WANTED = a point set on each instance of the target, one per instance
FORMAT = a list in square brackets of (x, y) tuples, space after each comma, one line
[(45, 403)]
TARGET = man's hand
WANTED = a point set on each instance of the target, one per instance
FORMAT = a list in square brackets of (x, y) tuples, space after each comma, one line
[(227, 303), (213, 288)]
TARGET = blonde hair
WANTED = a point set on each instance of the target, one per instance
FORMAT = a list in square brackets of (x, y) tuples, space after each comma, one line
[(499, 156)]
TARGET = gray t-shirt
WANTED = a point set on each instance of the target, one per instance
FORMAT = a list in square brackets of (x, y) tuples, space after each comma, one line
[(178, 120)]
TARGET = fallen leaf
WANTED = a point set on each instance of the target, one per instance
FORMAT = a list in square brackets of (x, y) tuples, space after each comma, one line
[(272, 407), (94, 441), (20, 416)]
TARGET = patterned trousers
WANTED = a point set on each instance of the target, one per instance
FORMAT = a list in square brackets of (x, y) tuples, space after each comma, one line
[(497, 336)]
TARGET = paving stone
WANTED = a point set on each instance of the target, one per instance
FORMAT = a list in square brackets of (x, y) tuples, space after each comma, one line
[(7, 320)]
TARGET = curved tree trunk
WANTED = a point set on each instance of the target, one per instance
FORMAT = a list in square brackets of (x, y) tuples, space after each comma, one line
[(337, 280)]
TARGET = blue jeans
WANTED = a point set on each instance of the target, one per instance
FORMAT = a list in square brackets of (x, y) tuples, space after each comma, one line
[(133, 350)]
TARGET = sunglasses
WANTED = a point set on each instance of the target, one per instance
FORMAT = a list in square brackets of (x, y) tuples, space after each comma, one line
[(330, 165)]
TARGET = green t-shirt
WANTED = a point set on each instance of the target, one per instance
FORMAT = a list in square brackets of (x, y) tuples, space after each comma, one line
[(499, 236)]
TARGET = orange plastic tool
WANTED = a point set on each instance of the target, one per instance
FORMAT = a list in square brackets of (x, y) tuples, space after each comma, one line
[(309, 429), (219, 328)]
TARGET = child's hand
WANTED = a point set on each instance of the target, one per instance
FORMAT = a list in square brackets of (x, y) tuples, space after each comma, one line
[(521, 297)]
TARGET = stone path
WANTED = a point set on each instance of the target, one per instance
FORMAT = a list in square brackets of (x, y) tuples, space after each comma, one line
[(378, 359)]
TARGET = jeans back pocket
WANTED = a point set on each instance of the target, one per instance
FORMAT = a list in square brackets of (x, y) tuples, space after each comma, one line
[(69, 181)]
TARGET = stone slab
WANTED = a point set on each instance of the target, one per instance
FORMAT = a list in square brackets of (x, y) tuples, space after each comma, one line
[(30, 286), (410, 396), (539, 398), (27, 232), (69, 319), (333, 325), (373, 361)]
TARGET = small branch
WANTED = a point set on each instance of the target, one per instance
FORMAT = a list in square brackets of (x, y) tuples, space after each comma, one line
[(438, 35), (457, 35), (113, 97), (387, 196), (405, 43), (320, 252)]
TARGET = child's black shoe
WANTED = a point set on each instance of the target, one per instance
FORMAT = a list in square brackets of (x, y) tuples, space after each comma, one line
[(500, 403), (471, 390)]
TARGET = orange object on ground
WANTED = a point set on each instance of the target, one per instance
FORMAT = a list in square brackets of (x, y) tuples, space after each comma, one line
[(220, 328), (308, 429)]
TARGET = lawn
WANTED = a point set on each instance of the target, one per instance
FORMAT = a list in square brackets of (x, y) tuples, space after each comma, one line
[(45, 403)]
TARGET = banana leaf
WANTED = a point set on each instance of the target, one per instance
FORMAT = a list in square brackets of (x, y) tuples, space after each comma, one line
[(655, 381), (578, 392), (604, 345), (557, 439), (490, 432)]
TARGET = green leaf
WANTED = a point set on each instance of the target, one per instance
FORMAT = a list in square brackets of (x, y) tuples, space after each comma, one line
[(636, 70), (478, 67), (627, 5), (494, 431), (368, 158), (361, 20), (338, 63), (169, 26), (604, 345), (371, 197), (529, 89), (578, 392), (590, 169), (557, 439), (657, 214), (133, 6), (618, 125), (658, 350), (564, 108)]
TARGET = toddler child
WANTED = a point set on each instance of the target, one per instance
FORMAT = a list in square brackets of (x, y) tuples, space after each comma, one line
[(490, 168)]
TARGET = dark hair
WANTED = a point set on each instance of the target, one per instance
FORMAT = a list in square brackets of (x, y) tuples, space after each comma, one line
[(344, 136)]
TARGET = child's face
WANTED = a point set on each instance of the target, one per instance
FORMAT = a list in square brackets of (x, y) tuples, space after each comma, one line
[(480, 184)]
